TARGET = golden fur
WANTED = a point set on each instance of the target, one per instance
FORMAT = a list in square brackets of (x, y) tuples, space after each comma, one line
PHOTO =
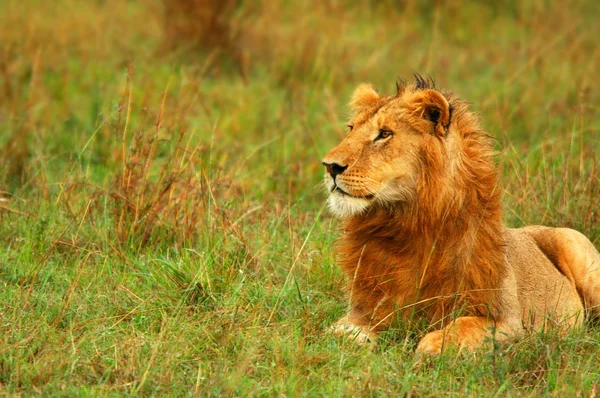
[(417, 189)]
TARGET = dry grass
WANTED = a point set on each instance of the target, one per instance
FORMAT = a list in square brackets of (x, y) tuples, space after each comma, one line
[(155, 209)]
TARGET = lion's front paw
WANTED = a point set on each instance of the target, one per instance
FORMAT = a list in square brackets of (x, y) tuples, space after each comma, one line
[(358, 334), (431, 344)]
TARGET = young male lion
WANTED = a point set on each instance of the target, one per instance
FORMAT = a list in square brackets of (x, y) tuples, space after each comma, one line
[(417, 189)]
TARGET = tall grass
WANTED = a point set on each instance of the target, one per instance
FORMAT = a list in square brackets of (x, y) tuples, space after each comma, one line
[(160, 204)]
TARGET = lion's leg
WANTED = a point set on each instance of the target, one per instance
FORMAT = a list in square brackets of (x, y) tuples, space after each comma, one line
[(354, 327), (577, 259), (467, 332), (363, 324)]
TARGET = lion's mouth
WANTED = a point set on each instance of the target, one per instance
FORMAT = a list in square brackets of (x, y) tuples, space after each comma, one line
[(340, 190)]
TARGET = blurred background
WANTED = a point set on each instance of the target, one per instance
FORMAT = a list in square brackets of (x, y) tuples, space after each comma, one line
[(262, 85), (160, 170)]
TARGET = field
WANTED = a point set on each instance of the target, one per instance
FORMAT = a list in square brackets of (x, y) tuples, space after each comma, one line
[(162, 222)]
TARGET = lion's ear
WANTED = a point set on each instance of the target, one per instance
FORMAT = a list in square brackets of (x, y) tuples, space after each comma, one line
[(433, 109), (363, 96)]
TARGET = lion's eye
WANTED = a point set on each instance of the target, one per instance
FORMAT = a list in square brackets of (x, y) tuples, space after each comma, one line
[(383, 134), (350, 127)]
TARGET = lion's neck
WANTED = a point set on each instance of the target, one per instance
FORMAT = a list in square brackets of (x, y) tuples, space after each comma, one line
[(450, 245)]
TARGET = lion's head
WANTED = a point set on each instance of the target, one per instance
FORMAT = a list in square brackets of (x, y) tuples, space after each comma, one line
[(393, 141)]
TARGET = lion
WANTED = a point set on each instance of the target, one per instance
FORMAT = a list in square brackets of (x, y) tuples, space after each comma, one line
[(417, 189)]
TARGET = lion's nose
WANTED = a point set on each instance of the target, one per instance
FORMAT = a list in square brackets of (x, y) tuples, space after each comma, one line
[(334, 169)]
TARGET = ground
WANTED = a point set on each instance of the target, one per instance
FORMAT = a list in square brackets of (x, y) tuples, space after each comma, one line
[(163, 226)]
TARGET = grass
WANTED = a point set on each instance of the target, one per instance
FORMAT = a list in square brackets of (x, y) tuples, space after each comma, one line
[(163, 227)]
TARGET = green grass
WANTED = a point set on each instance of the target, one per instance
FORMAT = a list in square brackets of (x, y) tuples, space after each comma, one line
[(162, 222)]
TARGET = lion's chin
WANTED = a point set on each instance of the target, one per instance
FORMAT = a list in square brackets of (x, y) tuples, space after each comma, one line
[(345, 206)]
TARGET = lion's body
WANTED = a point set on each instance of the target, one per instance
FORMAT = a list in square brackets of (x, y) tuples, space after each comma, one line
[(417, 188)]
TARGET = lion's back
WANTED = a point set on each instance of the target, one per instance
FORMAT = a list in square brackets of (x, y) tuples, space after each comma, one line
[(543, 288)]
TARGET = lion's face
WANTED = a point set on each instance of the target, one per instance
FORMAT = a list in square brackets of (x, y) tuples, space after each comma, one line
[(380, 160)]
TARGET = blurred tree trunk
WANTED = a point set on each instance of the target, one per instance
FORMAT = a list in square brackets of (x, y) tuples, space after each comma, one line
[(211, 25), (203, 22)]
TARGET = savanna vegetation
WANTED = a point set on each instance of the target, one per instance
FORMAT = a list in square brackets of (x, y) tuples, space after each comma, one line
[(162, 223)]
